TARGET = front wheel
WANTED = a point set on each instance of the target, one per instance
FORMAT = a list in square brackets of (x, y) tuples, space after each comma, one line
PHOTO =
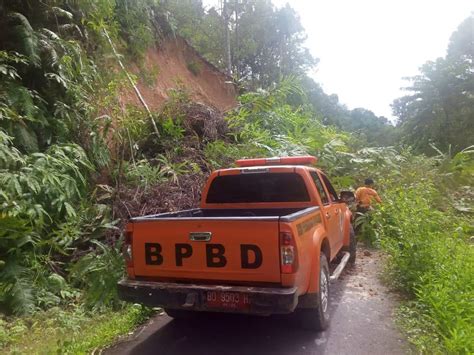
[(318, 318), (352, 246)]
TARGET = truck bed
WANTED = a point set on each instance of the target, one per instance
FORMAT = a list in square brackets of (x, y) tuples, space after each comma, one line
[(288, 214)]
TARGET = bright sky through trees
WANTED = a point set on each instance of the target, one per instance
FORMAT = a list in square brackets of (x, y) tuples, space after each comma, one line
[(365, 47)]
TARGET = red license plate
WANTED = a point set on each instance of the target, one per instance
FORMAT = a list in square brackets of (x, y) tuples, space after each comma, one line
[(227, 300)]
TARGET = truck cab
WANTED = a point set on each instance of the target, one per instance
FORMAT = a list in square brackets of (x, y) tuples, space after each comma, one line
[(260, 243)]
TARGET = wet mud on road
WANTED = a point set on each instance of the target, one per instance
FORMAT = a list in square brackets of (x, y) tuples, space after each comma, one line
[(362, 323)]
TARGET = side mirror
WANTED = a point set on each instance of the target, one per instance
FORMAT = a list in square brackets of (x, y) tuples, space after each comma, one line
[(347, 197)]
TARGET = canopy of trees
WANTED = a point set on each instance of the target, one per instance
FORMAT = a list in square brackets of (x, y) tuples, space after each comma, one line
[(440, 108), (266, 45), (373, 130)]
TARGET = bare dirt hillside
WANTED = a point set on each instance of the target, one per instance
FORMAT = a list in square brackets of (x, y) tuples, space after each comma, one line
[(176, 64)]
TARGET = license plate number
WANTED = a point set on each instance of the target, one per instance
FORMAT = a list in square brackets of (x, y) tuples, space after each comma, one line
[(227, 300)]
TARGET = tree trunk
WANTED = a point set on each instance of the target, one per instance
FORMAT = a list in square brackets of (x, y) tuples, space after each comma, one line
[(226, 16)]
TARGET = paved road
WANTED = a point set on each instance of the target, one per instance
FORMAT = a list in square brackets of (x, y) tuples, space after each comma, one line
[(361, 324)]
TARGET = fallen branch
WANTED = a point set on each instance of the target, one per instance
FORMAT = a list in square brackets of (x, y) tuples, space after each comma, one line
[(137, 91)]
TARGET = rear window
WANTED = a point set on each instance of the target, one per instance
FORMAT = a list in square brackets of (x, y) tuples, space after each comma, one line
[(261, 187)]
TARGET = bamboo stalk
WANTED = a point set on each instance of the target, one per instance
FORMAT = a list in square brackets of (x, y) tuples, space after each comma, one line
[(137, 91)]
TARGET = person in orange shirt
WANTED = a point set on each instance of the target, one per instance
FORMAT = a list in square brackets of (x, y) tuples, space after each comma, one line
[(365, 196)]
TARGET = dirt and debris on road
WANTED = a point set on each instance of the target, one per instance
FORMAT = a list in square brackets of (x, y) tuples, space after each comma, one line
[(362, 323)]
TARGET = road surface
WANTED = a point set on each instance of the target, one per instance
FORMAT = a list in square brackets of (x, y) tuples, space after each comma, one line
[(362, 323)]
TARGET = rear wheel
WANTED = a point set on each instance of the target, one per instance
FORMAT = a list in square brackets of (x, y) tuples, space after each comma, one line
[(318, 318), (180, 313)]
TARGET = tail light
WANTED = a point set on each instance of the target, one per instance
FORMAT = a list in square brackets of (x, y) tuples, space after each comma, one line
[(127, 247), (288, 253)]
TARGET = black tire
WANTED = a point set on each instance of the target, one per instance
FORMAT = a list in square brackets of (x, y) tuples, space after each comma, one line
[(352, 246), (180, 313), (317, 319)]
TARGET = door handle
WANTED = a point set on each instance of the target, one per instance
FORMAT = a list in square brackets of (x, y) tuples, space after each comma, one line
[(200, 236), (328, 216)]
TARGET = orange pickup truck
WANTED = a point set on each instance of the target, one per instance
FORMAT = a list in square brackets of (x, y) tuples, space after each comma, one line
[(260, 243)]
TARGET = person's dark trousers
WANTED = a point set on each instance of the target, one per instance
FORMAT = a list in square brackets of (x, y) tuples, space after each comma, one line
[(361, 210)]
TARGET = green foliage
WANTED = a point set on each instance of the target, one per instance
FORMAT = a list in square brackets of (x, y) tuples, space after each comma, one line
[(134, 128), (267, 43), (143, 174), (194, 67), (204, 30), (39, 223), (44, 186), (264, 119), (50, 147), (149, 74), (90, 223), (439, 109), (98, 273), (16, 291), (221, 154), (136, 25), (267, 46), (69, 331), (430, 257), (171, 169), (106, 329), (362, 123)]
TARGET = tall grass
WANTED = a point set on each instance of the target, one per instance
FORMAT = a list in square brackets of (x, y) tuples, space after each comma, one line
[(431, 256)]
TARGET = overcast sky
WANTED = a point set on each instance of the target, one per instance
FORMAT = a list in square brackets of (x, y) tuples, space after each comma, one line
[(365, 47)]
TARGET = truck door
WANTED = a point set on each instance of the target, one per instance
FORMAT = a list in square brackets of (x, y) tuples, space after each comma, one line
[(338, 209), (332, 214)]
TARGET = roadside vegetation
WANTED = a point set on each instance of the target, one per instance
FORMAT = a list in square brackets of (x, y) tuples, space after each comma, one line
[(75, 163), (69, 331), (425, 226)]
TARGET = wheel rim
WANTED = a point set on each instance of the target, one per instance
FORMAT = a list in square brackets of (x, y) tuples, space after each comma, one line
[(324, 292)]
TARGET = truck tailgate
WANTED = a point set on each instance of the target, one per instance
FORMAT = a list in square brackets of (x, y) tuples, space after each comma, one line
[(201, 249)]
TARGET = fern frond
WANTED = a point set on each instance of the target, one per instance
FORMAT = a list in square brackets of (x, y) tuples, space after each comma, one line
[(71, 28), (26, 138), (16, 287), (24, 37)]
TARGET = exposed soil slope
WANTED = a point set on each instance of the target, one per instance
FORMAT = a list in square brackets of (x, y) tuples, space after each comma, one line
[(175, 64)]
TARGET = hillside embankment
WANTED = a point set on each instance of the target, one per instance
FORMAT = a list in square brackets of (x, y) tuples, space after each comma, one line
[(174, 64)]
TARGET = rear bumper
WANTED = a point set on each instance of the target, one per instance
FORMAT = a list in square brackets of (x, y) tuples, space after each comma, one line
[(263, 300)]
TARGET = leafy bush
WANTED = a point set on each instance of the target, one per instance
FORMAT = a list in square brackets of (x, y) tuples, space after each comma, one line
[(430, 260), (144, 174), (98, 273), (194, 67), (43, 217)]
